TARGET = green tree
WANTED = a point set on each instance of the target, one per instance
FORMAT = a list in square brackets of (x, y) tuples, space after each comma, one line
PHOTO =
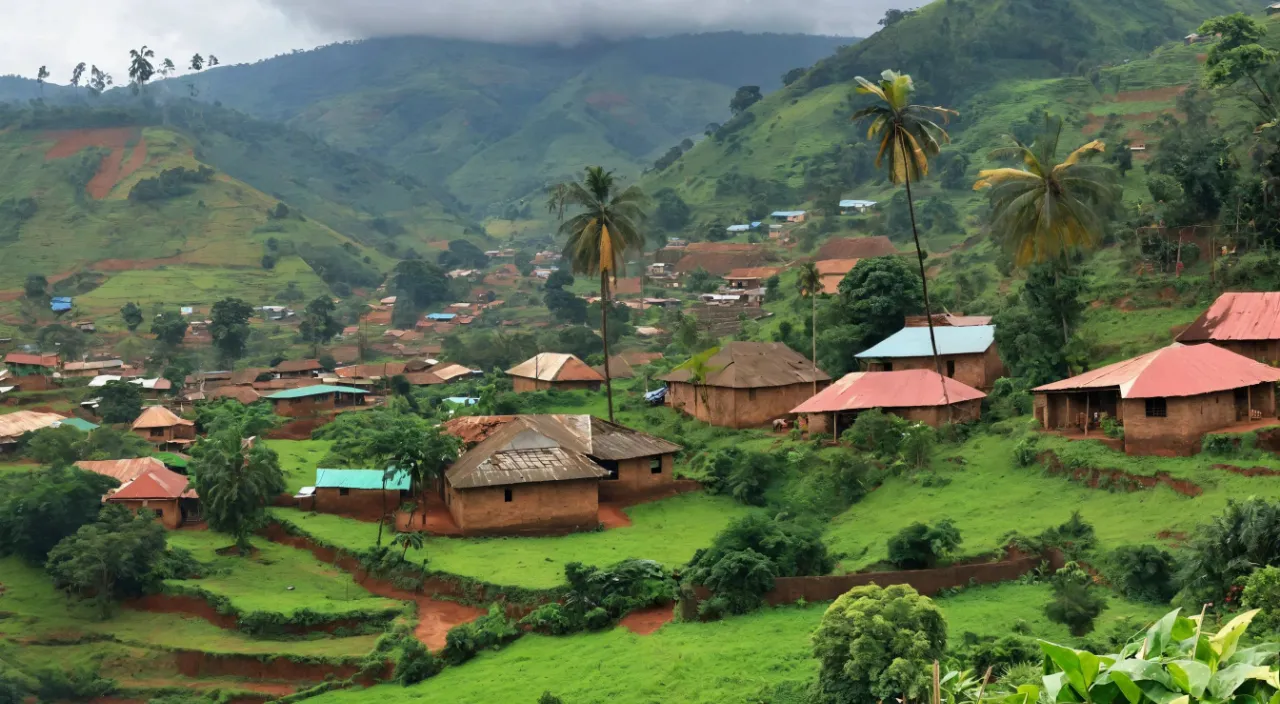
[(872, 303), (671, 212), (38, 509), (908, 137), (35, 287), (319, 325), (793, 75), (107, 443), (1030, 333), (602, 232), (1222, 552), (1050, 209), (235, 477), (412, 539), (55, 447), (229, 327), (920, 546), (110, 559), (412, 445), (462, 254), (132, 316), (1238, 57), (1076, 600), (77, 74), (745, 97), (140, 68), (41, 76), (876, 644), (120, 402), (170, 328), (416, 284), (809, 285)]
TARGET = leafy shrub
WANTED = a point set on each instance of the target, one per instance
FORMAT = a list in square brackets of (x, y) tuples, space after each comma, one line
[(714, 609), (742, 474), (1074, 535), (1009, 398), (1262, 591), (876, 432), (415, 663), (176, 563), (466, 640), (171, 183), (1026, 451), (1020, 673), (80, 684), (597, 619), (918, 443), (1144, 572), (1227, 549), (1220, 445), (745, 557), (549, 698), (1076, 601), (38, 509), (1112, 428), (919, 546), (549, 619), (826, 484), (628, 585)]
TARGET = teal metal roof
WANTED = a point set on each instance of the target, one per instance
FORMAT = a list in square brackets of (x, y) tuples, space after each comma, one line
[(914, 342), (318, 390), (360, 479), (78, 424)]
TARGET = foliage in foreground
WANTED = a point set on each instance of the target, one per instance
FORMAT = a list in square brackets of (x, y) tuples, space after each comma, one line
[(39, 509)]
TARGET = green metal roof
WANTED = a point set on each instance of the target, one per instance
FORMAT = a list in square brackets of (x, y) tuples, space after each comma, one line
[(78, 424), (171, 459), (360, 479), (319, 390)]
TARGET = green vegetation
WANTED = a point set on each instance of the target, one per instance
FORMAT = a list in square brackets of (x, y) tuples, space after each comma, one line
[(299, 460)]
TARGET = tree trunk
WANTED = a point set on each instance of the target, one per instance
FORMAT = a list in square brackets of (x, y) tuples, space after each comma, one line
[(813, 325), (604, 333), (924, 287), (383, 518)]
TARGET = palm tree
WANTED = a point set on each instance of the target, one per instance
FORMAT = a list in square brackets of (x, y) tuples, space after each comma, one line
[(908, 137), (606, 227), (408, 540), (810, 285), (76, 75), (1049, 209), (140, 67), (41, 75)]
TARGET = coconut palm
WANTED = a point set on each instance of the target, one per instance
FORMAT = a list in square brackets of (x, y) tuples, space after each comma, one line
[(408, 540), (140, 67), (810, 285), (1048, 209), (606, 226), (908, 136)]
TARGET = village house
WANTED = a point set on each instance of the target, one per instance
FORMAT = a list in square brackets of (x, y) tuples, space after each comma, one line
[(297, 369), (832, 272), (244, 394), (14, 425), (547, 371), (452, 371), (638, 465), (744, 384), (856, 248), (750, 277), (951, 320), (163, 492), (913, 394), (360, 493), (1245, 323), (619, 368), (159, 426), (32, 372), (851, 206), (720, 258), (123, 471), (795, 216), (103, 366), (315, 400), (1166, 400), (967, 354)]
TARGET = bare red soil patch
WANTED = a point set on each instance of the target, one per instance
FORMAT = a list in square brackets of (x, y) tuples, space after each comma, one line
[(113, 171), (198, 664), (71, 142), (645, 621), (1249, 471), (1118, 479), (612, 516), (606, 101)]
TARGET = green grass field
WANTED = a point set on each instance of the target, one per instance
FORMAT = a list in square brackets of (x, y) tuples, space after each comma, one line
[(277, 579), (668, 531), (299, 460)]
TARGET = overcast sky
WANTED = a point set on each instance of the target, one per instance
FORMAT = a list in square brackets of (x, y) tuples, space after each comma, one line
[(62, 33)]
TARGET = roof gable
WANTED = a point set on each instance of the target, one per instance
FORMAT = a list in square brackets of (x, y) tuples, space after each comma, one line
[(914, 342), (1237, 316), (14, 424), (158, 417), (555, 366), (155, 483), (750, 365), (122, 470), (1176, 370), (518, 454), (856, 248), (913, 388)]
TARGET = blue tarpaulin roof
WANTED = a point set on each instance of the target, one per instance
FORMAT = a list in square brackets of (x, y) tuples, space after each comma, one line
[(441, 316), (60, 303), (914, 342), (857, 203), (656, 395), (462, 400), (786, 213), (361, 479)]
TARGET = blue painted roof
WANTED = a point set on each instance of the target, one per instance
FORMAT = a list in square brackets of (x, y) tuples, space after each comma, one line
[(441, 316), (463, 400), (360, 479), (737, 228), (59, 303), (318, 390), (914, 342), (786, 213), (857, 203)]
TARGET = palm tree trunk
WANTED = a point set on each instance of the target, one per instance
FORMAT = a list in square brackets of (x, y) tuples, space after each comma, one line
[(813, 325), (604, 333), (924, 287), (383, 519)]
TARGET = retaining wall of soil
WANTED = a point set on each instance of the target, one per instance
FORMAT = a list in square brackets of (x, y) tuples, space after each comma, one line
[(188, 605), (1115, 478), (198, 664)]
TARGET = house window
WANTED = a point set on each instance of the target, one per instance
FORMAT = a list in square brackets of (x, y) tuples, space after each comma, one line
[(344, 491), (611, 466), (157, 432), (751, 394), (506, 495), (655, 465), (951, 367), (887, 366), (1157, 408)]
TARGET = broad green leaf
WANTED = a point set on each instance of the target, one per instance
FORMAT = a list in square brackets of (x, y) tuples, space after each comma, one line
[(1225, 642), (1183, 628), (1068, 661), (1025, 694), (1160, 634), (1127, 687), (1262, 654), (1106, 693), (1160, 694), (1088, 667), (1055, 686), (1144, 670), (1190, 676), (1226, 681)]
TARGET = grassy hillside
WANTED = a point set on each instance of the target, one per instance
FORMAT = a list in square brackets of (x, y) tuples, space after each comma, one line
[(495, 122)]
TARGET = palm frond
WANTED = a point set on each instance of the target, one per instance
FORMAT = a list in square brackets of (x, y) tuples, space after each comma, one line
[(1088, 151)]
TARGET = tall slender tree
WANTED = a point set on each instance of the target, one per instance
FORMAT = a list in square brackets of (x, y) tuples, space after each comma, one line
[(908, 136), (810, 285), (606, 227), (140, 68), (196, 66), (41, 75), (98, 81), (77, 74)]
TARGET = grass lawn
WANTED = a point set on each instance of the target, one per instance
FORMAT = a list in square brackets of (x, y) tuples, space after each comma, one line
[(299, 460), (278, 579), (42, 612), (988, 497), (993, 609), (15, 467), (668, 531)]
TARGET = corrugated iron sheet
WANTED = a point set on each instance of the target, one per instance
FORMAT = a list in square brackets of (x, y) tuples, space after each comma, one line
[(155, 483), (360, 479), (1237, 316), (12, 425), (754, 365), (517, 454), (297, 365), (555, 366), (856, 248), (911, 388), (122, 470), (914, 342), (1176, 370), (581, 433), (37, 360), (158, 417)]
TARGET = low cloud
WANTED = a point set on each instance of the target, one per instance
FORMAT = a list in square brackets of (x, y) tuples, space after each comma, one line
[(570, 21)]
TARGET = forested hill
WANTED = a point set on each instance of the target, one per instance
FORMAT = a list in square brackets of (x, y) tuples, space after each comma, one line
[(495, 123)]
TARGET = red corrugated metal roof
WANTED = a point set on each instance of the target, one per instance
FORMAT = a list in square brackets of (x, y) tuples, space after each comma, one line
[(38, 360), (155, 483), (909, 388), (1237, 316), (123, 470), (1176, 370)]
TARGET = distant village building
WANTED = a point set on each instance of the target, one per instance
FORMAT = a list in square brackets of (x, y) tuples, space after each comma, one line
[(850, 206), (1167, 400), (162, 492), (856, 248), (967, 354), (315, 400), (79, 369), (914, 394), (14, 425), (832, 272), (744, 384), (452, 371), (557, 371), (750, 277), (619, 368), (244, 394), (795, 216), (1245, 323), (1273, 9), (32, 372), (297, 368), (159, 426), (359, 493)]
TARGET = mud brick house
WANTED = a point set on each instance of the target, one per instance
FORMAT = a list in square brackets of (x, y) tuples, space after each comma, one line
[(452, 371), (518, 480), (744, 384), (1245, 323), (14, 425), (316, 399), (123, 471), (555, 371), (32, 372), (361, 493), (297, 369), (619, 368), (103, 366), (159, 426), (750, 277), (832, 272), (968, 354), (243, 394), (163, 492), (856, 248), (914, 394), (638, 465), (1167, 400)]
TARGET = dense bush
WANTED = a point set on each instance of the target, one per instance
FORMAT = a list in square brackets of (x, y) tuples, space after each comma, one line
[(550, 619), (825, 484), (38, 509), (919, 546), (1143, 572), (466, 640), (1026, 451), (1009, 398), (744, 559), (111, 559), (1227, 549), (877, 644), (171, 183), (905, 443), (742, 474), (1076, 600), (1262, 591), (998, 653)]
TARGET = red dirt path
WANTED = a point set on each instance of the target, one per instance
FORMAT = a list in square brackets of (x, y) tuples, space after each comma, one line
[(435, 616), (646, 621)]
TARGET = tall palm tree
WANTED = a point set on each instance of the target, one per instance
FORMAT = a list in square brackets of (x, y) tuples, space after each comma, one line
[(810, 285), (605, 228), (908, 136), (140, 67)]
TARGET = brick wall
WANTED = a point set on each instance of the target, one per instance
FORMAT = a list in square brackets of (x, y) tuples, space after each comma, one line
[(358, 503), (306, 406), (1188, 419), (934, 416), (534, 508), (167, 509), (738, 408), (977, 370), (158, 436), (787, 590), (636, 479), (521, 384)]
